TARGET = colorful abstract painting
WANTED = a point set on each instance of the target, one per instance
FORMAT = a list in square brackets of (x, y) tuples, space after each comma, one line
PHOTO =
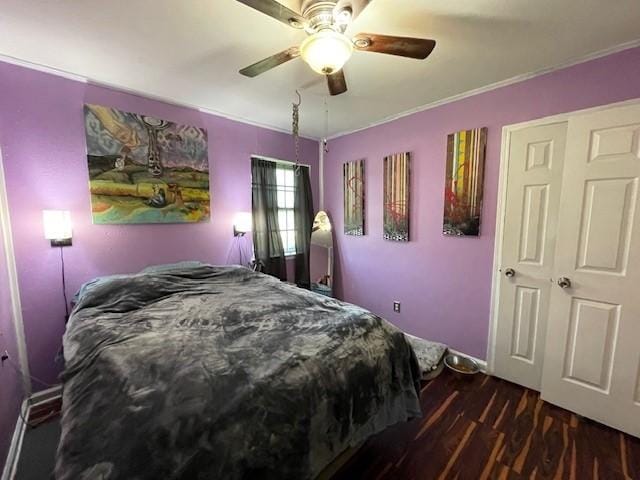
[(353, 189), (397, 170), (463, 185), (145, 170)]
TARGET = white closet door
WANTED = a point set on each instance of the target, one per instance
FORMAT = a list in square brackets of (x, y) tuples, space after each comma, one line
[(592, 360), (535, 162)]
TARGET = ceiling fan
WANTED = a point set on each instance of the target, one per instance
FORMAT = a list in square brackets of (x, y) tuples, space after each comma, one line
[(328, 48)]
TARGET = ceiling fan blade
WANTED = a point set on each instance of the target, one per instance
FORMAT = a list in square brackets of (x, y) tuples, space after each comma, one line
[(419, 48), (270, 62), (355, 6), (277, 11), (337, 83)]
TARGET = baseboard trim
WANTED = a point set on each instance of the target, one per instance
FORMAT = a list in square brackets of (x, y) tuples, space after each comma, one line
[(481, 363), (44, 396), (38, 398)]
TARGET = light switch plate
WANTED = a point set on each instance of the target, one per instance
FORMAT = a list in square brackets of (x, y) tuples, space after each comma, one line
[(396, 307)]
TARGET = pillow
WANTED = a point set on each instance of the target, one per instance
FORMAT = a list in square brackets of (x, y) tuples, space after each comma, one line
[(152, 269), (172, 266), (97, 282)]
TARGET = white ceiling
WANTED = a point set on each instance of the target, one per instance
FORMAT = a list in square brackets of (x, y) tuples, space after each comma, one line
[(190, 51)]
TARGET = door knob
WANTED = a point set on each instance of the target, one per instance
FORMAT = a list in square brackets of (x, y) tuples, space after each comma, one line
[(509, 272), (564, 282)]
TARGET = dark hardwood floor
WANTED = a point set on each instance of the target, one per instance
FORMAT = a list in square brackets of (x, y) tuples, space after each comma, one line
[(487, 428)]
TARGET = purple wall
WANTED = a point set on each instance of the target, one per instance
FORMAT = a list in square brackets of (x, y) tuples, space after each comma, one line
[(42, 137), (10, 381), (444, 283)]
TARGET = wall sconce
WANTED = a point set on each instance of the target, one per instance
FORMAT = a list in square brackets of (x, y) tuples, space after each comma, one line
[(242, 224), (57, 227)]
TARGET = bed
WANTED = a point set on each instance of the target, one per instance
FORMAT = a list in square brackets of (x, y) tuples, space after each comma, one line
[(202, 372)]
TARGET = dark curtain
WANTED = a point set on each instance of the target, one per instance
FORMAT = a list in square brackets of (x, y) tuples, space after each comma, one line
[(267, 243), (303, 205)]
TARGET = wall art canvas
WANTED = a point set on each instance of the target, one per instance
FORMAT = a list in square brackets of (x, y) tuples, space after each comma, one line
[(353, 190), (397, 170), (464, 182), (144, 169)]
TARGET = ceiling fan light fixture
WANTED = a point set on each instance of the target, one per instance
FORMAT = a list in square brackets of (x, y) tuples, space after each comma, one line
[(327, 51)]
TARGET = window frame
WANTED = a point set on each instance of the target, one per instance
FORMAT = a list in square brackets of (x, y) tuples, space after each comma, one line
[(283, 166), (286, 193)]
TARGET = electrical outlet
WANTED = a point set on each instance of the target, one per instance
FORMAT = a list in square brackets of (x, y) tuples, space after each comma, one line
[(396, 307)]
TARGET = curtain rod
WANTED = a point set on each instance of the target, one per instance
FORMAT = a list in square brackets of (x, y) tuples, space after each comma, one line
[(281, 162)]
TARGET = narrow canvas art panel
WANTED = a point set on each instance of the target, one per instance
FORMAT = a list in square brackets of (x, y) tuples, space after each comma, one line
[(353, 189), (464, 182), (397, 169), (145, 170)]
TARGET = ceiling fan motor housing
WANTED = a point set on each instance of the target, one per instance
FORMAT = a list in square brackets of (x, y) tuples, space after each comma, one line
[(320, 16)]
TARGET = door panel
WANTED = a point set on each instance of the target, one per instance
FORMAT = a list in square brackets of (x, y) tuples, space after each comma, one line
[(593, 328), (526, 320), (592, 352), (608, 207), (534, 176), (539, 155), (534, 221), (615, 143)]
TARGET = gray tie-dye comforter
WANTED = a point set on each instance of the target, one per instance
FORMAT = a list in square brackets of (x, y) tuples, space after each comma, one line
[(223, 373)]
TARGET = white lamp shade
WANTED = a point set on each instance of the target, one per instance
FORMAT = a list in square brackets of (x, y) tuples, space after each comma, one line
[(57, 224), (242, 222), (327, 51)]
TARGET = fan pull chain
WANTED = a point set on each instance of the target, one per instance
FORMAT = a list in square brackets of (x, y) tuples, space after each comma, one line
[(325, 141), (296, 131)]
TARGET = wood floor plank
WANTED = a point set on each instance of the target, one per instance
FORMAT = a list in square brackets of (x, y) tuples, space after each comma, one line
[(604, 445), (522, 456), (486, 429), (554, 445), (435, 416), (477, 458), (479, 400), (456, 453), (432, 459), (505, 405), (632, 448), (491, 461), (501, 472), (571, 470), (553, 411), (545, 451), (518, 430)]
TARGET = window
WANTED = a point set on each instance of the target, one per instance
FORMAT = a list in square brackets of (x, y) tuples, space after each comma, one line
[(285, 186), (285, 189)]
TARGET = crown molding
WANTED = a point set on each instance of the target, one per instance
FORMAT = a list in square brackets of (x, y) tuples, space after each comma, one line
[(149, 96), (42, 68), (494, 86)]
